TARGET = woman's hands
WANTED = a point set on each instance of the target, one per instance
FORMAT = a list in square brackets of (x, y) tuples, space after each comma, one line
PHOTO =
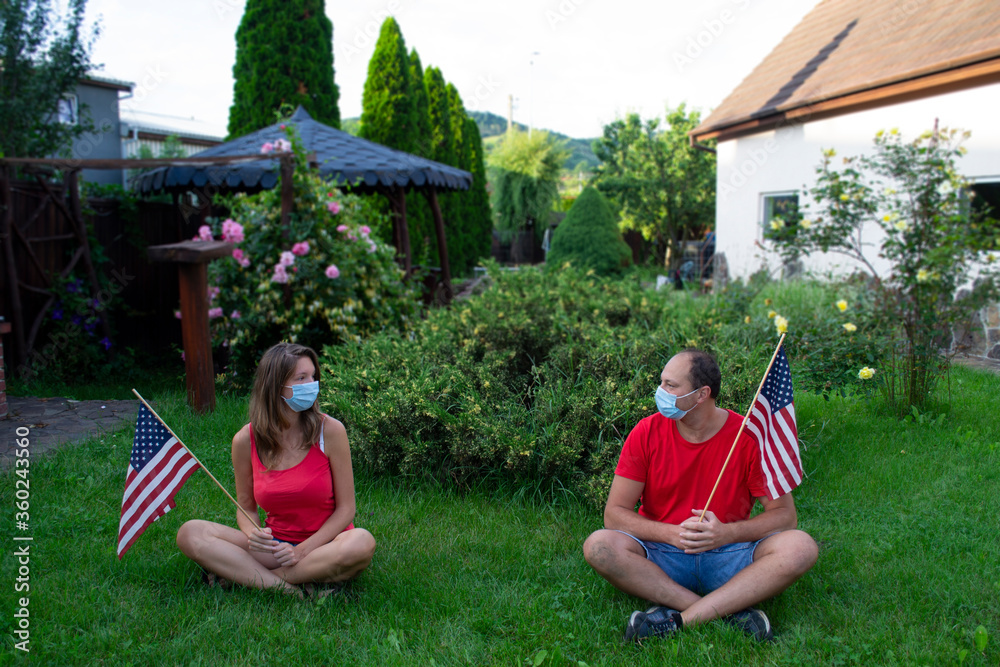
[(287, 555), (260, 539)]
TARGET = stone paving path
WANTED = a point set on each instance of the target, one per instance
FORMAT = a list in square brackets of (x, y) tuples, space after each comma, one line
[(54, 422)]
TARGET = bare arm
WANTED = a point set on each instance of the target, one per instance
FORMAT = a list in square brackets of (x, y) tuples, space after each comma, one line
[(691, 535), (260, 539), (620, 514)]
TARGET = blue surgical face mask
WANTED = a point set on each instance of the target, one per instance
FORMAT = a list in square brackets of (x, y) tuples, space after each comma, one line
[(666, 403), (303, 395)]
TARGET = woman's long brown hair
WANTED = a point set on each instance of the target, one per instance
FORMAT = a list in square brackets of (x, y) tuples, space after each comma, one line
[(266, 414)]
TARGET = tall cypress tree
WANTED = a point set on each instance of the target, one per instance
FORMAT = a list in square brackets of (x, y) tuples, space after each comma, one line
[(419, 218), (439, 112), (284, 56), (478, 217), (387, 110)]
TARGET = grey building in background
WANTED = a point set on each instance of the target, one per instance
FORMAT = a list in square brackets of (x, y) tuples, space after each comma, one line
[(97, 98)]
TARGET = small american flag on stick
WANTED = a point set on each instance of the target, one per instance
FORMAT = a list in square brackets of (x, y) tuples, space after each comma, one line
[(158, 468), (772, 423)]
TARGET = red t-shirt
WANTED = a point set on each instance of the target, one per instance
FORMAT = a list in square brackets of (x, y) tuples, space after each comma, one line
[(297, 500), (679, 475)]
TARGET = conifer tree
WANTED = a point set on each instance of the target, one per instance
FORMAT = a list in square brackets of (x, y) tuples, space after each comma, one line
[(589, 238), (478, 217), (387, 110), (284, 57), (419, 218), (439, 113)]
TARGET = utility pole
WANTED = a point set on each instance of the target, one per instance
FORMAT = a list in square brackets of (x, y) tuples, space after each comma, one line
[(510, 114)]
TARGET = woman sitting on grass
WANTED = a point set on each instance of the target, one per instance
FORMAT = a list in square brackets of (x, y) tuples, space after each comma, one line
[(294, 462)]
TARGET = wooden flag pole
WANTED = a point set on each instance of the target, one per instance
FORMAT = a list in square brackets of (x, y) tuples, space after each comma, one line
[(746, 418), (254, 521)]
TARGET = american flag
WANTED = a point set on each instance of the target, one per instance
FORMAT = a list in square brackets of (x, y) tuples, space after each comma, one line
[(772, 423), (159, 466)]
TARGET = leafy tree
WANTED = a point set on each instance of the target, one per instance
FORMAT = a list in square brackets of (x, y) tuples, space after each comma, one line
[(663, 187), (388, 116), (40, 61), (524, 170), (284, 57), (589, 237), (912, 197)]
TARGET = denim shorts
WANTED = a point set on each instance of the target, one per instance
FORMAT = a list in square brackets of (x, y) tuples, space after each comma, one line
[(701, 573)]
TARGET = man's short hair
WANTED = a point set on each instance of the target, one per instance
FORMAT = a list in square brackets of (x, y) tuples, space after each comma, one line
[(704, 370)]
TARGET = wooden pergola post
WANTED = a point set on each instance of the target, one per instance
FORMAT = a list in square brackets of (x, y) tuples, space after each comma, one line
[(397, 198), (192, 258), (442, 243)]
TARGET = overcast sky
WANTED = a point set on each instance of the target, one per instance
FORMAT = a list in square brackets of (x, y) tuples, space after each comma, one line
[(596, 59)]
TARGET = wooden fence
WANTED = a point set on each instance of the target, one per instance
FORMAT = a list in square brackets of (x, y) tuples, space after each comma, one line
[(140, 296)]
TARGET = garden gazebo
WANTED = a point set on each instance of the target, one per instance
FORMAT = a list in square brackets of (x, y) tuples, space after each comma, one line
[(344, 160)]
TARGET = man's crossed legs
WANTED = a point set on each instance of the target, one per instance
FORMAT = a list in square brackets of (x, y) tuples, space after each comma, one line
[(731, 578)]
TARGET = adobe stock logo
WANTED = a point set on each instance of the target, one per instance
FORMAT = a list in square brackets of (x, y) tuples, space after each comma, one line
[(712, 30), (345, 51), (562, 12), (484, 89)]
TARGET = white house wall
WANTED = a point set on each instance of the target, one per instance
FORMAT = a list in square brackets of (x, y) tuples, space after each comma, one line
[(785, 160)]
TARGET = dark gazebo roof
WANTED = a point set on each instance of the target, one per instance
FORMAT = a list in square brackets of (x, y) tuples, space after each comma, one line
[(343, 159)]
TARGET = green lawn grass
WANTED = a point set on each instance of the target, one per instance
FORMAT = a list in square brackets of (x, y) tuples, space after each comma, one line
[(905, 514)]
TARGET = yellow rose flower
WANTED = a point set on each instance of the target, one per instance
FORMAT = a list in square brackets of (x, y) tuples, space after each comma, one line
[(777, 223), (850, 328), (844, 197), (805, 223), (842, 305), (866, 373), (781, 324), (771, 314), (901, 225), (746, 320), (923, 275)]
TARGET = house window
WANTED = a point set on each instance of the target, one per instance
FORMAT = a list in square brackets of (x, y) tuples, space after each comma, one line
[(68, 110), (784, 205), (986, 199)]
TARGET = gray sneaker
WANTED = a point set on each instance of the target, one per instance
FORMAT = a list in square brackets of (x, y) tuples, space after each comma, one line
[(752, 621), (654, 622)]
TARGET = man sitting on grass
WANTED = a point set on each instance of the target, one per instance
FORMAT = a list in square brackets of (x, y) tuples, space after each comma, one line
[(695, 571)]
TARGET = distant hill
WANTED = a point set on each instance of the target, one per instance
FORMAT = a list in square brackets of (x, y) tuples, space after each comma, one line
[(492, 127)]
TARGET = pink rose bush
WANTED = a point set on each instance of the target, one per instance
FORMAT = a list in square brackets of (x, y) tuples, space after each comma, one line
[(232, 231), (311, 279)]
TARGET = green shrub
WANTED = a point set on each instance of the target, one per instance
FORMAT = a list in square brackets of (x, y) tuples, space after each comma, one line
[(538, 379), (933, 241), (588, 238)]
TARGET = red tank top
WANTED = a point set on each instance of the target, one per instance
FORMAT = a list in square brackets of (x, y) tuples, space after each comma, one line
[(297, 500)]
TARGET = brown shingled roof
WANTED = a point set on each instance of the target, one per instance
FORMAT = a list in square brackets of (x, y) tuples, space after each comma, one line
[(848, 54)]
